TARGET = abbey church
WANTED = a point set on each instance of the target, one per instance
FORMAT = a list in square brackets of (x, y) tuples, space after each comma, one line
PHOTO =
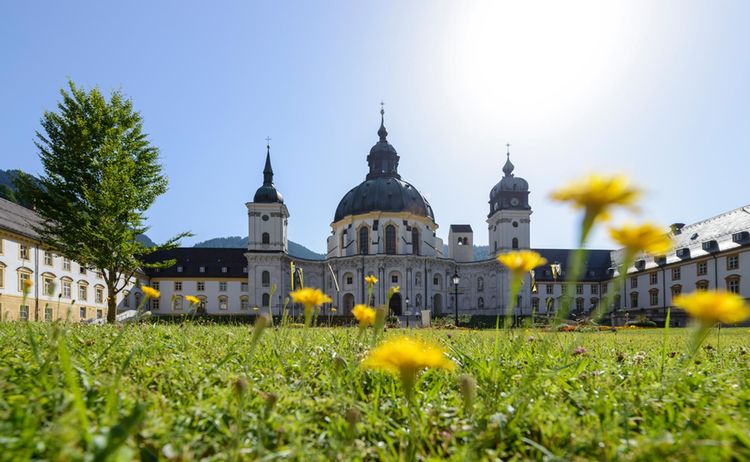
[(384, 226)]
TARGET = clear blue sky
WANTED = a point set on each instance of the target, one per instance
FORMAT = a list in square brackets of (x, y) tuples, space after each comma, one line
[(658, 90)]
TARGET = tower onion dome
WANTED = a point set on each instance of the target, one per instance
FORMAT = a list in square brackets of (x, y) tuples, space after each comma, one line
[(267, 194), (511, 193), (383, 189)]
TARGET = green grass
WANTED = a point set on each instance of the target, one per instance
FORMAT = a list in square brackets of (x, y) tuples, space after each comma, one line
[(188, 392)]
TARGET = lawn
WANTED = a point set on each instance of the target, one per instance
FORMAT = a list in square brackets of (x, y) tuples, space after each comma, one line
[(190, 391)]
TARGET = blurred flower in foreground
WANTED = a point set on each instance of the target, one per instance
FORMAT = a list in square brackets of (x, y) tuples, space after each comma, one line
[(646, 238), (371, 280), (710, 307), (521, 262), (405, 357), (596, 194), (364, 314), (150, 292)]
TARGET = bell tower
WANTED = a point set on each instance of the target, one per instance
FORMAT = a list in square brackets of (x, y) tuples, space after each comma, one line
[(267, 215), (509, 218)]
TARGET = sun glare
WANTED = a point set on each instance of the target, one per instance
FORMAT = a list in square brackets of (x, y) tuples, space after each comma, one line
[(523, 63)]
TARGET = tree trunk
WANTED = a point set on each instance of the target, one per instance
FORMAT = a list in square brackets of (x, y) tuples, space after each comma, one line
[(111, 303)]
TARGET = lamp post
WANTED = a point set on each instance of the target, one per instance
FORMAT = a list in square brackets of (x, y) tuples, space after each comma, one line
[(408, 313), (456, 280)]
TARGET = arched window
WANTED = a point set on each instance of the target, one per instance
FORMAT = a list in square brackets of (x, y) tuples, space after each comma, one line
[(419, 301), (265, 300), (733, 283), (223, 303), (515, 243), (418, 279), (364, 240), (480, 284), (265, 279), (266, 238), (634, 299), (579, 304), (390, 240), (535, 303), (415, 241), (480, 303)]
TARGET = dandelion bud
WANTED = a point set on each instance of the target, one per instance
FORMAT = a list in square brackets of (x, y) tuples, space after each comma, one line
[(240, 386), (468, 388), (353, 417), (260, 324), (270, 400)]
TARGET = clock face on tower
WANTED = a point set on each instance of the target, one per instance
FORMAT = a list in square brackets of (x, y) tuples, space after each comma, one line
[(514, 201)]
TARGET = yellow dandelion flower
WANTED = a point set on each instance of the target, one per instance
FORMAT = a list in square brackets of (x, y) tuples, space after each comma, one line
[(150, 292), (596, 194), (26, 288), (405, 357), (521, 262), (710, 307), (647, 238), (192, 300), (333, 310), (371, 280), (393, 290), (310, 297), (364, 314)]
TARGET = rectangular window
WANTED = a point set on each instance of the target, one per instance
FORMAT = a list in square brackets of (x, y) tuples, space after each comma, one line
[(676, 290), (653, 278), (244, 269), (179, 269), (733, 262), (178, 303), (243, 286), (66, 264), (155, 285), (733, 285), (634, 300), (605, 288), (594, 289), (349, 280), (222, 287), (82, 312), (99, 314), (48, 258), (23, 252), (202, 269), (394, 279), (49, 285), (2, 277), (200, 286), (223, 269), (579, 289), (83, 269), (23, 313), (702, 268), (676, 274), (654, 297), (550, 289), (66, 290), (155, 304), (178, 286), (634, 282), (22, 278), (435, 281), (99, 295), (48, 314), (244, 305), (82, 293)]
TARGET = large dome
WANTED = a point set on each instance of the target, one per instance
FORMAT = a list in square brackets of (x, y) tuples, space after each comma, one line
[(383, 189), (383, 194)]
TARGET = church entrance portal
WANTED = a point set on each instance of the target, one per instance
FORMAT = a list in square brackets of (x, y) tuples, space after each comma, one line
[(394, 307)]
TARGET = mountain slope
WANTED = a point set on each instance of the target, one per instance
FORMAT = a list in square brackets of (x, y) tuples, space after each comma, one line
[(295, 250)]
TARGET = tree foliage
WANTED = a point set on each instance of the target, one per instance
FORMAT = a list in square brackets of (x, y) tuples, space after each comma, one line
[(101, 174)]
